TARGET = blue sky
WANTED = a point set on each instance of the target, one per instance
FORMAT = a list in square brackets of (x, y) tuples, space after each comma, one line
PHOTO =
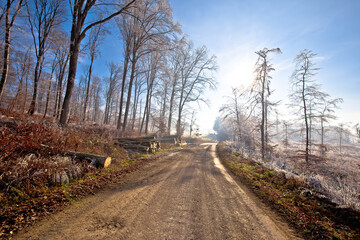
[(234, 29)]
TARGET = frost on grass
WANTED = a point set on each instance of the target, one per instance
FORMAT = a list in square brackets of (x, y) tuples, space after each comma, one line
[(335, 174)]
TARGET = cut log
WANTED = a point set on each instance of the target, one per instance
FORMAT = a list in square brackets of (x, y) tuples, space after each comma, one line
[(94, 160)]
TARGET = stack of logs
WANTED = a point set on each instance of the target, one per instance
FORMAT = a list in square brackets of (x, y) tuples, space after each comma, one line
[(140, 144), (149, 144), (171, 139)]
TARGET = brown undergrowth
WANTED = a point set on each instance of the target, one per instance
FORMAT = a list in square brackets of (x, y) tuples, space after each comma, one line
[(15, 215), (312, 216), (29, 156)]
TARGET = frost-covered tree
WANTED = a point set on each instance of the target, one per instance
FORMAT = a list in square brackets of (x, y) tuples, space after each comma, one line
[(304, 90), (261, 89)]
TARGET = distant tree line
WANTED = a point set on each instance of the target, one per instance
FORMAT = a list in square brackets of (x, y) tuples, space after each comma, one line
[(148, 89), (251, 118)]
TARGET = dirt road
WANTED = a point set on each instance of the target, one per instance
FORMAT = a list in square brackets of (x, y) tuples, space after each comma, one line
[(185, 195)]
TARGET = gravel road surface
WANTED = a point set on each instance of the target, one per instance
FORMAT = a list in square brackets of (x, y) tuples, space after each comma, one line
[(185, 195)]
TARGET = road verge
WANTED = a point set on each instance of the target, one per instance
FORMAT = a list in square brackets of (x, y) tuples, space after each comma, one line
[(312, 217)]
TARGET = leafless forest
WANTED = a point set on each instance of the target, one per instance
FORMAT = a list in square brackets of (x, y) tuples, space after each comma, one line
[(310, 144), (150, 87)]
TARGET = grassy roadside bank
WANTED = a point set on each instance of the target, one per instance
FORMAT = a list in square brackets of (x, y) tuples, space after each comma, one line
[(313, 217)]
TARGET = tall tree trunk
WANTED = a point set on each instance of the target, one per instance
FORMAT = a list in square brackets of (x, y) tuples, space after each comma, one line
[(322, 131), (171, 106), (144, 116), (36, 82), (106, 113), (60, 88), (148, 98), (178, 124), (79, 14), (266, 128), (6, 57), (162, 124), (74, 54), (126, 64), (117, 102), (136, 102), (129, 90), (88, 86), (163, 107), (39, 98), (48, 93), (148, 113), (26, 92), (263, 118), (140, 110), (306, 122), (8, 26)]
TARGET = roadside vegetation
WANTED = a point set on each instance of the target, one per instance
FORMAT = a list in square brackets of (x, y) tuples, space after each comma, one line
[(33, 167), (313, 215)]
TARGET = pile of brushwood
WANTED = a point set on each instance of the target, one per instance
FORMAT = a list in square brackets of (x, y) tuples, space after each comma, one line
[(314, 216)]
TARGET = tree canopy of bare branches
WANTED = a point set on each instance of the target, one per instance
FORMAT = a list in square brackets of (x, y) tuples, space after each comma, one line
[(80, 10)]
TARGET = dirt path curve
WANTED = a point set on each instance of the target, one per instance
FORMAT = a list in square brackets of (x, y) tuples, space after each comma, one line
[(185, 195)]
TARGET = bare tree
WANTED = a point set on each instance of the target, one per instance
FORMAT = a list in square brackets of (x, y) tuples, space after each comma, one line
[(152, 23), (261, 88), (161, 94), (195, 76), (96, 99), (234, 108), (172, 72), (126, 29), (236, 115), (11, 11), (80, 9), (138, 90), (303, 90), (112, 82), (44, 16), (94, 41), (62, 58), (153, 62), (53, 66)]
